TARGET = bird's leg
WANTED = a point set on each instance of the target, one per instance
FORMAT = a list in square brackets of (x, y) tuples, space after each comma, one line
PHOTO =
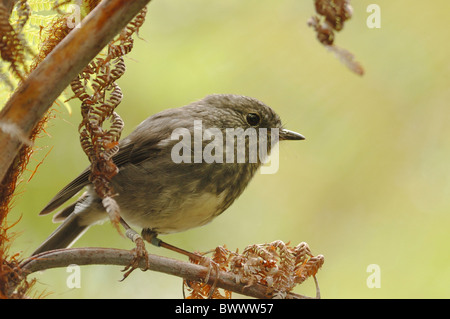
[(140, 250), (151, 236)]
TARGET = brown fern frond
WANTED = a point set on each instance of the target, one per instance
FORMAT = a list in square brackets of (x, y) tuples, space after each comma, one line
[(51, 35), (12, 48), (332, 15), (24, 11), (100, 95), (276, 265)]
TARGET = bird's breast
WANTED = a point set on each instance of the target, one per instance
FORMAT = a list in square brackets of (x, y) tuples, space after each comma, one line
[(193, 212)]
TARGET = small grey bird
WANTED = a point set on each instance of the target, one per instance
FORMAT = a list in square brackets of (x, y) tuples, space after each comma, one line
[(166, 184)]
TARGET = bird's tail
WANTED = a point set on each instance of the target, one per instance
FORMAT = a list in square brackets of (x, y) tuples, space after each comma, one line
[(67, 233)]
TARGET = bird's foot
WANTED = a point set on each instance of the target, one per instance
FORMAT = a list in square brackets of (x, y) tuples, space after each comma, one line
[(140, 259)]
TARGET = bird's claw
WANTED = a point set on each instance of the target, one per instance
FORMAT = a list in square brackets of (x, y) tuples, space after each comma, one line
[(141, 257)]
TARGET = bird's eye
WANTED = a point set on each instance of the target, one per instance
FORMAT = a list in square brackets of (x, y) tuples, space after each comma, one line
[(253, 119)]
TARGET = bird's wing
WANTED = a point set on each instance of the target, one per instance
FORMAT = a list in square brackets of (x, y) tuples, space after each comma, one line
[(130, 153), (140, 145), (67, 192), (137, 152)]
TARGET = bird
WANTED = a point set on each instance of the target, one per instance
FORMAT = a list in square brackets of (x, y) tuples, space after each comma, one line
[(167, 183)]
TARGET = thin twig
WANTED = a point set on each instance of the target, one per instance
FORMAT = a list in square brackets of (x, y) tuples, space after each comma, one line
[(108, 256)]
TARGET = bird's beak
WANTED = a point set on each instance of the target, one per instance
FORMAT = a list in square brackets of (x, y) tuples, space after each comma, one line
[(290, 135)]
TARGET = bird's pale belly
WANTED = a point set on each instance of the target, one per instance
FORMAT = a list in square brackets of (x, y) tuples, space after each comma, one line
[(194, 212)]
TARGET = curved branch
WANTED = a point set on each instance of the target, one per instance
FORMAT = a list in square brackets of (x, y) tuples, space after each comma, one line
[(109, 256)]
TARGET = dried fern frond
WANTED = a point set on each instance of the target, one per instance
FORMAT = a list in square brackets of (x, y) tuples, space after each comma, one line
[(332, 15), (32, 26), (100, 95), (53, 33), (276, 265), (13, 49)]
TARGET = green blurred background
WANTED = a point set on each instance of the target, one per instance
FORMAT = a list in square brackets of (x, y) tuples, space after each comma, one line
[(370, 185)]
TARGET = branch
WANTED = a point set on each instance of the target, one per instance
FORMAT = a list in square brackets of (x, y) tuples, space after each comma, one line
[(119, 257), (33, 98)]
